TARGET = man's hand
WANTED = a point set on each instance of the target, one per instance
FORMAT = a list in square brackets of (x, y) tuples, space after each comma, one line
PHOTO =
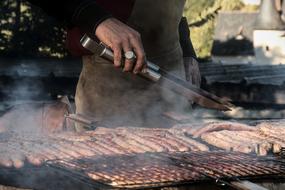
[(121, 38)]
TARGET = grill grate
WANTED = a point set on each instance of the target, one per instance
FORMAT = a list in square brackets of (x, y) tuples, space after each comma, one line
[(282, 152), (122, 157), (163, 169)]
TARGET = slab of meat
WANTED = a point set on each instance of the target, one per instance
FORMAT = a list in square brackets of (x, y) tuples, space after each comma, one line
[(154, 140), (230, 126), (131, 157), (18, 147), (223, 140), (37, 149), (187, 128), (273, 129), (244, 141), (197, 146)]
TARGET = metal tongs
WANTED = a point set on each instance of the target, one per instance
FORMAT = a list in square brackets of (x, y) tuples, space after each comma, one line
[(83, 120), (80, 119), (163, 78)]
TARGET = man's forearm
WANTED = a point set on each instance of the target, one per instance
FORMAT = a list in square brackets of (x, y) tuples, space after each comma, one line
[(85, 14), (185, 40)]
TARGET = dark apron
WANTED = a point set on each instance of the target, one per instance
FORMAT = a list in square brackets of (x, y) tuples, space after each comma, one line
[(116, 98)]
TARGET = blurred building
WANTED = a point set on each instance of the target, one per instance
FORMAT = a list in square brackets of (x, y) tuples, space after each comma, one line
[(257, 37), (251, 2)]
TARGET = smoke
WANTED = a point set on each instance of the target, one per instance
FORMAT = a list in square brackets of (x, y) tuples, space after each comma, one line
[(24, 82), (137, 104), (21, 86), (128, 100)]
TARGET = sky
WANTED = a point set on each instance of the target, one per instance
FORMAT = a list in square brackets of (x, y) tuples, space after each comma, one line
[(253, 2)]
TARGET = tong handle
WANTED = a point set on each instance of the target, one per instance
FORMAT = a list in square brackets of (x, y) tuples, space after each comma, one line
[(150, 72), (80, 119)]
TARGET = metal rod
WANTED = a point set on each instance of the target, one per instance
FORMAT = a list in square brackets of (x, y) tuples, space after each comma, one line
[(81, 120)]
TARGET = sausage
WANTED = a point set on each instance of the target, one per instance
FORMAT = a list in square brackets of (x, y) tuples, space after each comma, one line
[(29, 151), (223, 141), (166, 145), (222, 126), (5, 161), (143, 141), (270, 130), (109, 149), (119, 140), (110, 141), (180, 145), (247, 137), (197, 146), (187, 128)]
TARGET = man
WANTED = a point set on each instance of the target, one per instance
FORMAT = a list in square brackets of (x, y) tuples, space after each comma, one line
[(146, 27)]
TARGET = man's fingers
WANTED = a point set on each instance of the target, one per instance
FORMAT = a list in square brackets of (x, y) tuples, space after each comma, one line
[(129, 64), (122, 38), (139, 51), (117, 49), (141, 61)]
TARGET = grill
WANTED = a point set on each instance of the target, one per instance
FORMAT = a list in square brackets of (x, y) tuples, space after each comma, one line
[(137, 158), (282, 153), (152, 170)]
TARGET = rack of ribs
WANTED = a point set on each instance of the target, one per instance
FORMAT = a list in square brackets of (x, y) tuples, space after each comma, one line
[(17, 148), (128, 157), (265, 138)]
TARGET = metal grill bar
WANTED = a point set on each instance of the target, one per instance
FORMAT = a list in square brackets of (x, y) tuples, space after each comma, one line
[(282, 153), (163, 169)]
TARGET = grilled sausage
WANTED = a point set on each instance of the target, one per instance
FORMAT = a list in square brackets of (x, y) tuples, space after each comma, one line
[(195, 144), (222, 126), (143, 141)]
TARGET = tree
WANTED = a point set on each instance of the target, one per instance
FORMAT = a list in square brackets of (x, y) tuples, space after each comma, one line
[(25, 31)]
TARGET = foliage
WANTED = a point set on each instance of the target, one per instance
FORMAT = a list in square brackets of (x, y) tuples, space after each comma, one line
[(193, 9), (27, 32)]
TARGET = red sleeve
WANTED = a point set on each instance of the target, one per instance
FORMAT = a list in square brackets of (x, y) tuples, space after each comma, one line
[(120, 9)]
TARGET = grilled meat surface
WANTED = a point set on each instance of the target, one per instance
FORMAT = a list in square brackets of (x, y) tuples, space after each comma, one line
[(264, 139), (128, 157), (15, 147)]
